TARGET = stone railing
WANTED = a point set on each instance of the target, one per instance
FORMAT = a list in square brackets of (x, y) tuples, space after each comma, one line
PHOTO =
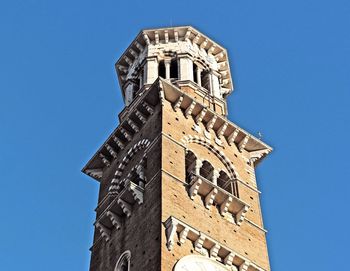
[(179, 232), (120, 207), (215, 195)]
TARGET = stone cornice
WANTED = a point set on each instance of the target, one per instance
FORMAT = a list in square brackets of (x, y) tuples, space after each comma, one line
[(178, 231), (143, 106), (232, 133), (138, 50)]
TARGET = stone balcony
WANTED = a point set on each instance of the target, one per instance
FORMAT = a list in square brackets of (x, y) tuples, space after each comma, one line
[(179, 232), (214, 195), (121, 207)]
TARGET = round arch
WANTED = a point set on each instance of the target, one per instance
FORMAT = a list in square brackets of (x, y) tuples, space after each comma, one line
[(208, 144), (142, 144), (123, 263)]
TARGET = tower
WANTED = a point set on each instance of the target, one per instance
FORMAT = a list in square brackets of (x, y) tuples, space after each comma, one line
[(177, 183)]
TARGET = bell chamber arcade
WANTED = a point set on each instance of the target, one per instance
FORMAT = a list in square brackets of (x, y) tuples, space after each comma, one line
[(177, 178)]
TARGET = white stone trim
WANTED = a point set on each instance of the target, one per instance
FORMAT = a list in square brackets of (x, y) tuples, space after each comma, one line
[(218, 251), (186, 140)]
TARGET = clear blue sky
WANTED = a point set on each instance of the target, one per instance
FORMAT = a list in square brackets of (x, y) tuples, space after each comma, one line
[(59, 100)]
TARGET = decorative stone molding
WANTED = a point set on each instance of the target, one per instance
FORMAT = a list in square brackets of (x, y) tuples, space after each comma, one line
[(142, 144), (123, 262), (243, 143), (141, 116), (105, 160), (136, 191), (133, 125), (227, 130), (209, 199), (178, 231), (220, 132), (189, 109), (241, 215), (126, 134), (136, 115), (177, 105), (126, 207), (116, 220), (227, 203), (194, 188), (200, 116), (207, 143), (111, 150), (94, 173), (232, 137), (149, 108), (121, 206), (118, 142), (170, 232), (104, 231), (148, 47), (211, 122)]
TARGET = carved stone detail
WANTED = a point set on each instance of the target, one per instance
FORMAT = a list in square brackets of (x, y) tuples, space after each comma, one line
[(243, 143), (171, 225), (133, 125), (115, 219), (224, 207), (232, 137), (111, 150), (209, 199), (177, 105), (183, 235), (211, 122), (203, 243), (198, 244), (141, 116), (189, 109), (118, 142), (241, 215), (126, 207), (105, 160), (149, 108), (194, 188), (201, 115), (104, 231)]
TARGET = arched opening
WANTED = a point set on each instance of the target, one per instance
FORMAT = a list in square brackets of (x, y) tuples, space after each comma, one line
[(195, 67), (224, 181), (227, 184), (174, 72), (190, 161), (205, 80), (161, 69), (123, 263), (206, 170)]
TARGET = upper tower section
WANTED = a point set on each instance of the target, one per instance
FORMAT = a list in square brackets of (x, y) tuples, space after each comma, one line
[(182, 55)]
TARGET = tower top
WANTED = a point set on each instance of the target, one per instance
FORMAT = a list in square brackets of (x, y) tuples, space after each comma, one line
[(199, 61)]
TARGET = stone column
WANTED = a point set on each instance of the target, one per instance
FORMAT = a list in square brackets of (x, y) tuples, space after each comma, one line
[(195, 167), (167, 68), (214, 176), (215, 84), (150, 70), (185, 67), (198, 73)]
